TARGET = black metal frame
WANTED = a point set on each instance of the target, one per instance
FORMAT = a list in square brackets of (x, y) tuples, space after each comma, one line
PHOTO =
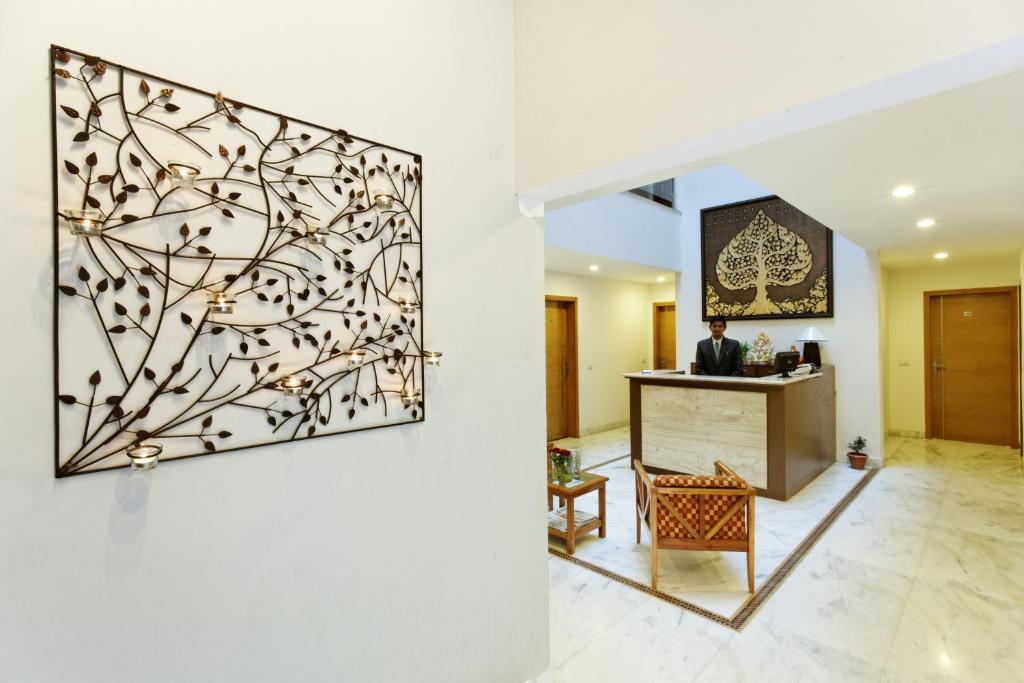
[(129, 268), (829, 313)]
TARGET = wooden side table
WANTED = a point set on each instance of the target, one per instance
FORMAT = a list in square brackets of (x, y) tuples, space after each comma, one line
[(567, 523)]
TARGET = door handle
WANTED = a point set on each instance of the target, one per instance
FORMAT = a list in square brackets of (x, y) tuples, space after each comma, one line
[(936, 366)]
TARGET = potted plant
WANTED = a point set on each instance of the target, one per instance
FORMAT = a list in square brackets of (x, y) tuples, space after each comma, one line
[(856, 455)]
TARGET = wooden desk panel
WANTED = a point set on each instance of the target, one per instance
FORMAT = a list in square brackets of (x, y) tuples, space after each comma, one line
[(730, 426)]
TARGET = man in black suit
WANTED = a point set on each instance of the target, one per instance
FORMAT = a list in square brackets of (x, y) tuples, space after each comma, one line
[(718, 355)]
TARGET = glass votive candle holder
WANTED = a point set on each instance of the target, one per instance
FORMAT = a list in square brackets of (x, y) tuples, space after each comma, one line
[(408, 305), (144, 456), (317, 234), (355, 357), (183, 174), (383, 200), (220, 302), (291, 385), (87, 222), (432, 358), (410, 397)]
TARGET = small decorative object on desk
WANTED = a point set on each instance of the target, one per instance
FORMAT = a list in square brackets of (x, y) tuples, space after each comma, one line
[(762, 349), (561, 459), (856, 457), (745, 352)]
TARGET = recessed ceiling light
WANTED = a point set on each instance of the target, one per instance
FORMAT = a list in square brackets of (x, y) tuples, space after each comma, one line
[(926, 223), (595, 268), (661, 278), (903, 191), (942, 255)]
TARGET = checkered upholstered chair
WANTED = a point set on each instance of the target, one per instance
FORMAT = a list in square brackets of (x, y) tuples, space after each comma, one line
[(687, 512)]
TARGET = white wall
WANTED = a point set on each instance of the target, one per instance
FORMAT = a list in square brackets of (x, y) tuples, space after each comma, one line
[(853, 333), (621, 226), (614, 323), (905, 295), (363, 557), (599, 82)]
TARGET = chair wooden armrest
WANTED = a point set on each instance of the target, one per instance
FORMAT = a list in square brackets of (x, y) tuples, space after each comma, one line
[(723, 470), (644, 494), (641, 474)]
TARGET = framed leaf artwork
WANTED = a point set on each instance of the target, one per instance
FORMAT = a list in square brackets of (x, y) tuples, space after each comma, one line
[(765, 259)]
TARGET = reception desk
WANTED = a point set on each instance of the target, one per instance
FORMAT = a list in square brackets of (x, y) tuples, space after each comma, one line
[(778, 434)]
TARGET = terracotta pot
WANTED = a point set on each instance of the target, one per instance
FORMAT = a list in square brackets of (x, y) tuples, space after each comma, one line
[(857, 460)]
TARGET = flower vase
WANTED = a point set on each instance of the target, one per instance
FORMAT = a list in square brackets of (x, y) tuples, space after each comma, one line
[(564, 471)]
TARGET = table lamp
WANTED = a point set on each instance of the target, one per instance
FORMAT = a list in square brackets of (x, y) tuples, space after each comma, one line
[(810, 337)]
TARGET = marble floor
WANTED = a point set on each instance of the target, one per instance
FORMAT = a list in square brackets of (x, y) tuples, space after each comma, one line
[(921, 579), (712, 580), (599, 448)]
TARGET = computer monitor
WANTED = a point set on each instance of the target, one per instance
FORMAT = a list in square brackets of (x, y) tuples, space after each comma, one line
[(785, 362)]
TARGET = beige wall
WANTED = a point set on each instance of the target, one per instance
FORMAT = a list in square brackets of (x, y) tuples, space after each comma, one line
[(904, 304), (615, 336)]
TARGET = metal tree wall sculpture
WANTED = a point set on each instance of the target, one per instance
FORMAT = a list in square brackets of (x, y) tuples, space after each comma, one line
[(225, 277)]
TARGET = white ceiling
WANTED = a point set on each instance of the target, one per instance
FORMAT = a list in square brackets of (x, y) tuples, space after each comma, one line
[(962, 149), (562, 260)]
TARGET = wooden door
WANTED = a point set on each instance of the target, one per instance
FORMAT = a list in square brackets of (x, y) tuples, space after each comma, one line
[(934, 367), (972, 374), (665, 336), (560, 350)]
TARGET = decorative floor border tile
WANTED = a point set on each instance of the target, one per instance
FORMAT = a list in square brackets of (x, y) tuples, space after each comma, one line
[(607, 462)]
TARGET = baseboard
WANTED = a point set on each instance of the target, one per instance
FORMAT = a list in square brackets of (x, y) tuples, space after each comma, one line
[(603, 428), (905, 433)]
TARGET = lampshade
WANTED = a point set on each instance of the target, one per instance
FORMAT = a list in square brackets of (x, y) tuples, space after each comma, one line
[(812, 334)]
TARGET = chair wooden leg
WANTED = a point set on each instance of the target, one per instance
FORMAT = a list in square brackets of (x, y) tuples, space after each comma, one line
[(653, 503), (654, 562), (750, 569), (636, 513), (750, 544)]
